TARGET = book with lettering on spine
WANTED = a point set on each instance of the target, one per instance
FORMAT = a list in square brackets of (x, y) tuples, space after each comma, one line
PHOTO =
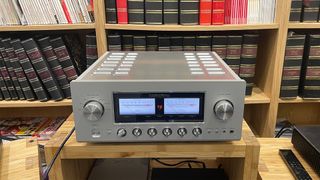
[(189, 12), (126, 42), (189, 42), (234, 52), (122, 11), (153, 11), (152, 42), (136, 12), (205, 12), (296, 9), (170, 11), (176, 43), (203, 42), (4, 90), (91, 49), (114, 42), (164, 43), (219, 45), (310, 10), (139, 42), (217, 12), (111, 11)]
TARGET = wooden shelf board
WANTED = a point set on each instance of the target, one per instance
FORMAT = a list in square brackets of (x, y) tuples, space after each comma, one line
[(191, 28), (304, 25), (47, 27), (257, 97), (298, 100), (25, 104)]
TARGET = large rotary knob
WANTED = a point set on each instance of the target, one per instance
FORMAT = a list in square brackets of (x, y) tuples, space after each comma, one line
[(93, 110), (223, 110)]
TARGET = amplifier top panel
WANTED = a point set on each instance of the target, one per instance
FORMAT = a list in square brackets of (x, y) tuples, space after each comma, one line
[(159, 66)]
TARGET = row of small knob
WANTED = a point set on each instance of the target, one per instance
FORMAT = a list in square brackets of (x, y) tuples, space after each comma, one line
[(152, 132)]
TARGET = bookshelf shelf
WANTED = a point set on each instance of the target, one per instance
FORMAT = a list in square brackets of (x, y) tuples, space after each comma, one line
[(257, 97), (298, 100), (29, 104), (304, 25), (191, 28), (48, 27)]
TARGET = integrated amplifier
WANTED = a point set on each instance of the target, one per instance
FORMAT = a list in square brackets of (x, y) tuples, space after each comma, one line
[(158, 96)]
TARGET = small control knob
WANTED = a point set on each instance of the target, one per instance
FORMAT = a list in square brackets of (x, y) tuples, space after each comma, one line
[(93, 110), (166, 132), (223, 110), (152, 132), (196, 132), (121, 132), (137, 132), (182, 131)]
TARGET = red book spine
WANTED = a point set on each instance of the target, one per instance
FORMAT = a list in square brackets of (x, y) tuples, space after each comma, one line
[(65, 10), (227, 10), (205, 12), (245, 11), (122, 11), (218, 12)]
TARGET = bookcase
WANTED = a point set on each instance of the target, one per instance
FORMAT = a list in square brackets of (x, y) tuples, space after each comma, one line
[(262, 108)]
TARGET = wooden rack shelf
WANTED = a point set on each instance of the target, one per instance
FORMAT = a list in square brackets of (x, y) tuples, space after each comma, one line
[(230, 27), (48, 27), (257, 97), (28, 104), (304, 25), (298, 100)]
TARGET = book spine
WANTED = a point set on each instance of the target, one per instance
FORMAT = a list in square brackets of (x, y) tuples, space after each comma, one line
[(12, 74), (310, 75), (4, 90), (56, 68), (292, 66), (248, 60), (65, 61), (189, 43), (219, 45), (42, 68), (234, 53), (91, 49), (139, 43), (176, 43), (29, 71), (114, 42), (205, 12), (22, 79), (136, 11), (296, 9), (66, 11), (152, 42), (217, 12), (189, 12), (310, 10), (170, 11), (164, 43), (203, 43), (127, 42), (153, 11), (122, 11), (227, 12), (111, 11)]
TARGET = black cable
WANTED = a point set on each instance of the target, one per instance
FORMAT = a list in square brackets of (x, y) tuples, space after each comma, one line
[(181, 162), (286, 124), (46, 173), (284, 132)]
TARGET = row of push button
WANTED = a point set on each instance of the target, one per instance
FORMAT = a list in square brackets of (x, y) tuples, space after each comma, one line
[(152, 132)]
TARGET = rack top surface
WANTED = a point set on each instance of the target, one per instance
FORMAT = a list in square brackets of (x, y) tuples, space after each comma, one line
[(159, 66)]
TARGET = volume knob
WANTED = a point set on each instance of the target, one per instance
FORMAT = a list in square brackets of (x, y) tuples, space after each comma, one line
[(93, 110), (223, 110)]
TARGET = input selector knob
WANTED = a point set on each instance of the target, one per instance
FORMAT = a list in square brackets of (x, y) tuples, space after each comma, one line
[(182, 132), (121, 132), (223, 110), (93, 110), (152, 132), (136, 132), (166, 132)]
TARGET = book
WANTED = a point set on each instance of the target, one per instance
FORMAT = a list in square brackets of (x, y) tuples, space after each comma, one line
[(42, 68), (189, 43), (310, 71), (248, 60), (170, 11), (114, 42), (136, 11), (111, 11), (217, 12), (164, 43), (310, 10), (122, 11), (152, 42), (153, 11), (91, 49), (29, 71), (127, 42), (253, 15), (219, 45), (296, 9), (292, 66), (205, 12), (189, 12), (139, 42), (176, 43), (203, 42), (75, 48), (5, 95), (234, 52)]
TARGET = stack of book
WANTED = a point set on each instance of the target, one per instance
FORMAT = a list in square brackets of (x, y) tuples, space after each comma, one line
[(34, 12), (190, 12), (239, 50), (301, 70), (304, 11)]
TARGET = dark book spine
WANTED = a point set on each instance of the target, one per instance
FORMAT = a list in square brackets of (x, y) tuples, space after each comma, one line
[(29, 71), (219, 45), (22, 79), (127, 42), (189, 12), (114, 42), (153, 9), (56, 68), (203, 43), (1, 96), (65, 61), (6, 77), (91, 49), (152, 42), (164, 43), (296, 9), (189, 43), (234, 53), (139, 43), (170, 11), (310, 10), (292, 66), (310, 75), (136, 11), (176, 43), (248, 60), (17, 91), (111, 11), (42, 68), (4, 90)]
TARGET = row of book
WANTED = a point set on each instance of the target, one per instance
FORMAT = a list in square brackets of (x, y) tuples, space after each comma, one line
[(26, 12), (239, 51), (305, 11), (301, 69), (39, 127), (190, 12)]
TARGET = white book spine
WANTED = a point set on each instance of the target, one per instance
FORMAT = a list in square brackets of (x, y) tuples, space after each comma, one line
[(63, 15), (73, 10), (51, 16), (25, 12), (57, 7), (54, 12), (77, 10), (42, 13), (32, 6), (14, 13), (85, 10), (18, 9)]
